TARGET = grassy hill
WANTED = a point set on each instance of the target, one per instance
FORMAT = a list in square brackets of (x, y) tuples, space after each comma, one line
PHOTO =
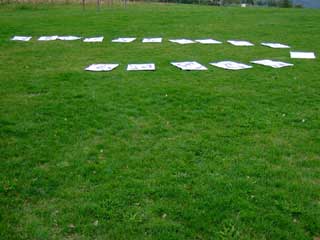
[(158, 155)]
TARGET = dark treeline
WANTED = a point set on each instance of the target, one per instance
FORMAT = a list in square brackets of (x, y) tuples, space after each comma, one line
[(270, 3)]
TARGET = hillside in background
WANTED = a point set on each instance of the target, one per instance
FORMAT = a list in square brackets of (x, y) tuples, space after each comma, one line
[(308, 3)]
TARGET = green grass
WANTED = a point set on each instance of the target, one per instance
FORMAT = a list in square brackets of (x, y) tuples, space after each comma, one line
[(158, 155)]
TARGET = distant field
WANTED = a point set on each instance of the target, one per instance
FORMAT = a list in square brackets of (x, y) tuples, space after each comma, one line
[(158, 155)]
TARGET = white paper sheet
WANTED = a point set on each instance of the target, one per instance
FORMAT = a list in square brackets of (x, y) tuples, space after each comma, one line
[(303, 55), (141, 67), (208, 41), (101, 67), (21, 38), (273, 64), (231, 65), (152, 40), (240, 43), (123, 40), (181, 41), (189, 66), (275, 45), (68, 38), (47, 38), (94, 39)]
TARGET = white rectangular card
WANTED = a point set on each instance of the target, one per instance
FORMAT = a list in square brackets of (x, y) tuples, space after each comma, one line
[(68, 38), (47, 38), (101, 67), (141, 67), (240, 43), (189, 66), (152, 40), (273, 64), (275, 45), (94, 39), (21, 38), (208, 41), (123, 40), (303, 55), (231, 65), (181, 41)]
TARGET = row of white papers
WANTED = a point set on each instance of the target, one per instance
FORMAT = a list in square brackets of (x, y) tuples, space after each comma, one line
[(189, 66), (53, 38), (149, 40), (130, 67), (299, 55), (45, 38), (239, 43)]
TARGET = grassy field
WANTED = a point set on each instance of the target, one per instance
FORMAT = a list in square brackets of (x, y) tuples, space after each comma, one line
[(158, 155)]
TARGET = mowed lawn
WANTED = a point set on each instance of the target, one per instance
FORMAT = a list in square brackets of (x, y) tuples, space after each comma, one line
[(158, 155)]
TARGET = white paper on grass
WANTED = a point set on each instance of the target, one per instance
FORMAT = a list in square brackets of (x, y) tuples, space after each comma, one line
[(189, 66), (21, 38), (141, 67), (208, 41), (68, 38), (181, 41), (303, 55), (47, 38), (231, 65), (240, 43), (275, 45), (94, 39), (101, 67), (123, 40), (273, 64), (152, 40)]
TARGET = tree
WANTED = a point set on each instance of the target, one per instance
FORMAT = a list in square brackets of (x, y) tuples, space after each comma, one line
[(286, 3)]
